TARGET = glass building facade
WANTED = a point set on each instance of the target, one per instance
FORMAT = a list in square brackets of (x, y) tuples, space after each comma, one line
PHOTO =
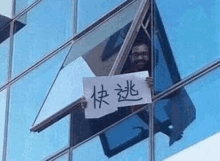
[(48, 46)]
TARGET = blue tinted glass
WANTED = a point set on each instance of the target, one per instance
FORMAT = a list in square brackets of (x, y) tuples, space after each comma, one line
[(193, 115), (128, 140), (44, 28), (125, 134), (64, 157), (37, 146), (27, 96), (2, 118), (162, 70), (4, 54), (192, 28), (22, 4), (104, 30), (90, 11)]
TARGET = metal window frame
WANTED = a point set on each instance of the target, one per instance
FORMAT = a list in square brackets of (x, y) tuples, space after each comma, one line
[(60, 155), (25, 10), (65, 112), (56, 155), (151, 113), (5, 141)]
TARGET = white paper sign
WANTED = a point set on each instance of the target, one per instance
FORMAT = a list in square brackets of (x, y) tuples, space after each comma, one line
[(105, 94)]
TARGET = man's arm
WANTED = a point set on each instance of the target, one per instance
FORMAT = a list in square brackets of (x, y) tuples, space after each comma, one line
[(149, 82)]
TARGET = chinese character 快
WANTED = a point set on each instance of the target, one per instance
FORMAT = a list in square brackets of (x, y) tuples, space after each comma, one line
[(103, 93)]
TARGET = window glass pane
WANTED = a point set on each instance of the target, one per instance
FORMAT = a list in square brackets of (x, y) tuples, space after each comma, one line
[(193, 31), (128, 140), (166, 71), (5, 10), (193, 115), (204, 150), (22, 4), (68, 86), (45, 27), (37, 146), (90, 11), (103, 31), (4, 55), (2, 119), (64, 157), (27, 96)]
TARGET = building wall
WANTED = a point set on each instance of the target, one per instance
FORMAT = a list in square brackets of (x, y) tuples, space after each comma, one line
[(31, 58)]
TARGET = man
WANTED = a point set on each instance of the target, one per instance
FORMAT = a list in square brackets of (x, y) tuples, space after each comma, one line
[(139, 60)]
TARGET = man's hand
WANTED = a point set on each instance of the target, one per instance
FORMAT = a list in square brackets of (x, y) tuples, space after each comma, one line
[(150, 84), (83, 102)]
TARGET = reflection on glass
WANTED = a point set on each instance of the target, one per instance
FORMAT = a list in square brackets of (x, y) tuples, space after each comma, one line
[(68, 86), (178, 112), (163, 74), (125, 141), (27, 96), (2, 118), (46, 26), (64, 157), (103, 31), (125, 134), (86, 14), (193, 31), (4, 28), (203, 94), (166, 72), (4, 54)]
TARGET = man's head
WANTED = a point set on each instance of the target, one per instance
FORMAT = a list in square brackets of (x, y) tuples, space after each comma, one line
[(140, 55)]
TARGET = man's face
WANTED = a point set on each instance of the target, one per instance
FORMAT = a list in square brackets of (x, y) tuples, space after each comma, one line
[(140, 56)]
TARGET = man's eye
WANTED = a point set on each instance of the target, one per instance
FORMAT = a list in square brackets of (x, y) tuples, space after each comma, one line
[(140, 55)]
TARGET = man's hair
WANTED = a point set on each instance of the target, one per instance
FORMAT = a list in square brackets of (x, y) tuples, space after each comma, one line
[(138, 43)]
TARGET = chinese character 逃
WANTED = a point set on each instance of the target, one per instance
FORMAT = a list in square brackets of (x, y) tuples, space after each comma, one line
[(128, 92)]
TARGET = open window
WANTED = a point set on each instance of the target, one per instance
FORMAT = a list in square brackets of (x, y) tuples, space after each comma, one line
[(105, 49), (93, 53)]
